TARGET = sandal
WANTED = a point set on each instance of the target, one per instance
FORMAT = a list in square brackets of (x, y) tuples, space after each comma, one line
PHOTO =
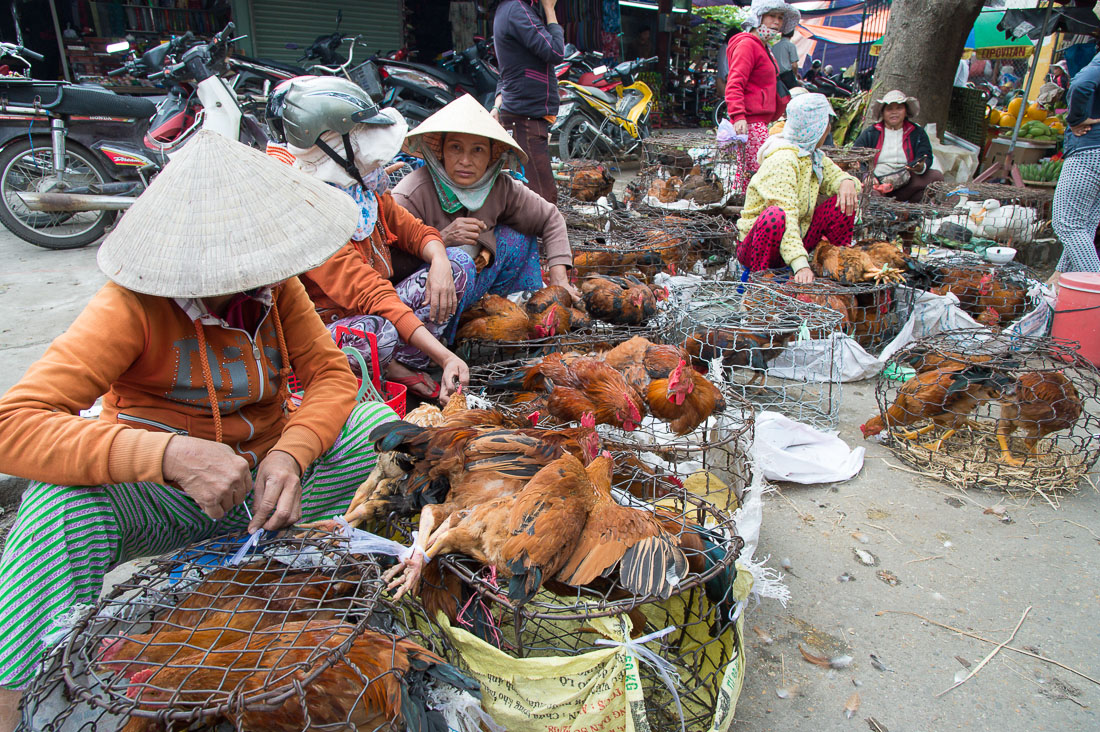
[(418, 379)]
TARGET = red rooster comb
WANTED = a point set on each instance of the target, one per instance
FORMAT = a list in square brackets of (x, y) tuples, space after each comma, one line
[(533, 418), (588, 420)]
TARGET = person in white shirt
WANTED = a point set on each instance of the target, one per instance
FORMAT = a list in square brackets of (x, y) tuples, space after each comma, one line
[(903, 165)]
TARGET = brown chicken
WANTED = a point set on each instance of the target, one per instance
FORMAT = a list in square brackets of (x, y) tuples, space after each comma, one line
[(498, 319), (1038, 403), (381, 681), (619, 301), (702, 188), (851, 265), (583, 385), (565, 524), (980, 291), (681, 396), (228, 605), (590, 183), (736, 348), (945, 395), (665, 190)]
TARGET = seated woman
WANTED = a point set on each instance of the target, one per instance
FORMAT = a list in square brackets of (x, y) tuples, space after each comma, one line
[(782, 220), (493, 217), (190, 346), (362, 287), (903, 166)]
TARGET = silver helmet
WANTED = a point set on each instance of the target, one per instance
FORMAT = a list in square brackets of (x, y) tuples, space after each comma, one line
[(300, 110)]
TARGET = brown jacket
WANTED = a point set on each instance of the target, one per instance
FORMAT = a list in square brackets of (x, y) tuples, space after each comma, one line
[(509, 203), (142, 354), (355, 280)]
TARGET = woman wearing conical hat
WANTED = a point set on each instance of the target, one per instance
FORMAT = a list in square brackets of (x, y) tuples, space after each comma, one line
[(395, 278), (464, 191), (190, 347)]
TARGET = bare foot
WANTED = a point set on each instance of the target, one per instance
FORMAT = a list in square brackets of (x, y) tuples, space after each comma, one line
[(417, 382)]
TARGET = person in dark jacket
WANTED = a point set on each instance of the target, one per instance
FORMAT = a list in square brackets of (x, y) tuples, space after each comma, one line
[(527, 49), (1076, 211), (903, 165)]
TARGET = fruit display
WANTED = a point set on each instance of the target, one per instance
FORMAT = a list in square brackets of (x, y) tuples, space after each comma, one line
[(1047, 172)]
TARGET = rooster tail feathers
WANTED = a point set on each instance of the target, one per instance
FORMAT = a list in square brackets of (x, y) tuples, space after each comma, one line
[(391, 435), (426, 670), (526, 580), (653, 567)]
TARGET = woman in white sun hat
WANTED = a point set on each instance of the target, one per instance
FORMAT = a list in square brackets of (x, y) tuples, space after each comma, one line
[(190, 347), (464, 191), (395, 278), (754, 95), (903, 164)]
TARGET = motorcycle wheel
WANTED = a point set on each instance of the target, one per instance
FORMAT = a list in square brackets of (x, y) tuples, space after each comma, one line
[(574, 144), (25, 166), (720, 112)]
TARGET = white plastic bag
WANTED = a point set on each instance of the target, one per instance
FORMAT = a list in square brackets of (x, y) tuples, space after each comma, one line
[(837, 359), (788, 450), (931, 314)]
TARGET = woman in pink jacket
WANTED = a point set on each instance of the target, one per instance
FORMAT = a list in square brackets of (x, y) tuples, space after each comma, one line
[(754, 98)]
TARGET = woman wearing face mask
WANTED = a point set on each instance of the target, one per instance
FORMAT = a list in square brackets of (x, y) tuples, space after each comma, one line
[(464, 192), (754, 96), (782, 221), (334, 132)]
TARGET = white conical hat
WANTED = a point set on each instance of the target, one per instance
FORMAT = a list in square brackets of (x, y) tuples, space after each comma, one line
[(224, 218), (464, 114)]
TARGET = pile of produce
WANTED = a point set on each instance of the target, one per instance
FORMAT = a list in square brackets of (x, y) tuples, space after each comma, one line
[(1047, 172), (1037, 124)]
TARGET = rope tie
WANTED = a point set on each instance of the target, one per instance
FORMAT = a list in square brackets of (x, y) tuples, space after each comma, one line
[(208, 378), (284, 372)]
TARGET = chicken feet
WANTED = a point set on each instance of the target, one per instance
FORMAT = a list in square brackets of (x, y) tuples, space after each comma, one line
[(935, 445), (405, 575)]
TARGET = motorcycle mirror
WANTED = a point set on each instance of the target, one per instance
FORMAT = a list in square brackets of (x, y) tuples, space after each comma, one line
[(293, 46), (119, 47), (339, 18)]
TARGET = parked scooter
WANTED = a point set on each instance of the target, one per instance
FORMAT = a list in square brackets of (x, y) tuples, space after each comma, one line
[(63, 189), (587, 68), (592, 122)]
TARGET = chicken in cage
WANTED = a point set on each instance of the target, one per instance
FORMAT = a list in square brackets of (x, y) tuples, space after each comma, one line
[(688, 172), (734, 331), (882, 217), (698, 636), (994, 295), (583, 180), (293, 636), (992, 411)]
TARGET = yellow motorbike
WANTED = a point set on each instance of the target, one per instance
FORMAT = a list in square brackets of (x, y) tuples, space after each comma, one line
[(595, 122)]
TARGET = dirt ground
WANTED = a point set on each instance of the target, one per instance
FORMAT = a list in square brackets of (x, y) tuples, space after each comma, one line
[(955, 564)]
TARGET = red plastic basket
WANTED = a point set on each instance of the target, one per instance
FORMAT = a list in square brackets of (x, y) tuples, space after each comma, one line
[(370, 390)]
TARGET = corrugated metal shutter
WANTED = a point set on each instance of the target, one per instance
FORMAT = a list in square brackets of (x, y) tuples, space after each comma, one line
[(278, 22)]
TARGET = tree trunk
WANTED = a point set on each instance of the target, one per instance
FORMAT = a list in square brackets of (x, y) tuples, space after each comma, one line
[(921, 50)]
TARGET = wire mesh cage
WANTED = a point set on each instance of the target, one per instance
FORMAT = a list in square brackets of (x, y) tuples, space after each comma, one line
[(883, 217), (563, 621), (598, 336), (735, 331), (686, 171), (857, 161), (646, 245), (871, 313), (295, 635), (982, 410), (995, 295), (1008, 215), (583, 181)]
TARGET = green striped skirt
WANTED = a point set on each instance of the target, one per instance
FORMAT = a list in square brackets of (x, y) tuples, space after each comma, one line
[(66, 538)]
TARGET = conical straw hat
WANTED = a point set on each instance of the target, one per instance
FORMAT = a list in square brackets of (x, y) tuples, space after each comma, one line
[(224, 218), (464, 114)]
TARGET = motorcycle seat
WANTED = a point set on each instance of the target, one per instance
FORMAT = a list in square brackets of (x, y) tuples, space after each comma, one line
[(59, 97), (602, 95)]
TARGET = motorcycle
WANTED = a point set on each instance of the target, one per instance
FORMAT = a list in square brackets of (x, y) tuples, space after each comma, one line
[(474, 72), (586, 68), (62, 190), (592, 122)]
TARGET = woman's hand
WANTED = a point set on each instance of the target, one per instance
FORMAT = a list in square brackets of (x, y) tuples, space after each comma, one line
[(741, 127), (441, 296), (559, 277), (463, 231), (277, 493), (455, 372), (846, 198), (210, 472), (1083, 127), (804, 276)]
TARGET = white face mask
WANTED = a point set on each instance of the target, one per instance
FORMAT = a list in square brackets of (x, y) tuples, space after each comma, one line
[(373, 146), (768, 36)]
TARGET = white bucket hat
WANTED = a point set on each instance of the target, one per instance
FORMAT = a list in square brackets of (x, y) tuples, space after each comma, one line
[(464, 114), (912, 105), (760, 8), (223, 218)]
